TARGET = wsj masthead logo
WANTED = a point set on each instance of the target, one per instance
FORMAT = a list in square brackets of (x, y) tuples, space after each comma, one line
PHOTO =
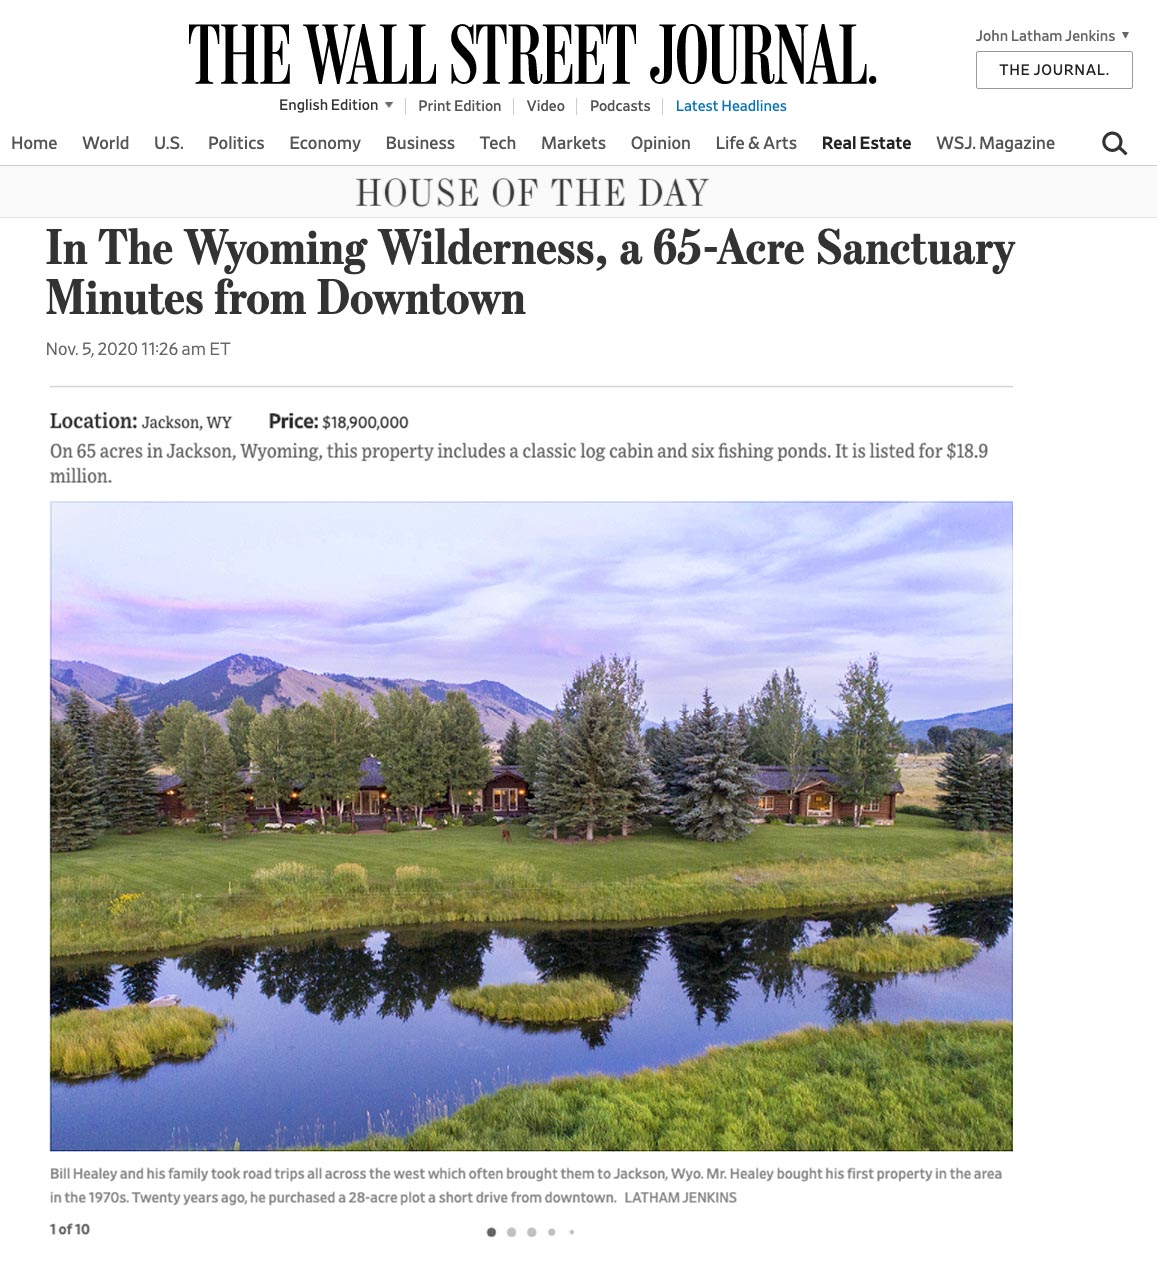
[(256, 53)]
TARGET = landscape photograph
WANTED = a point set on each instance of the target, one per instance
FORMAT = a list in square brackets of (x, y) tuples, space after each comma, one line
[(531, 826)]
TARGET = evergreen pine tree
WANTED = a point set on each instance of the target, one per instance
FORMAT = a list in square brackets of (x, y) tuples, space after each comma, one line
[(663, 745), (150, 728), (997, 781), (719, 783), (72, 792), (546, 803), (126, 786), (80, 720), (511, 744), (592, 785), (961, 789), (644, 797), (591, 772)]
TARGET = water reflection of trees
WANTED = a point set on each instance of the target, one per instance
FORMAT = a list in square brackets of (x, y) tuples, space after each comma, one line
[(411, 969), (773, 967), (416, 971), (139, 980), (328, 978), (711, 961), (864, 920), (618, 957), (83, 987), (987, 920), (849, 998), (219, 969)]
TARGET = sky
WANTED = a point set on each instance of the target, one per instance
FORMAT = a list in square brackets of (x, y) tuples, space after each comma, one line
[(714, 595)]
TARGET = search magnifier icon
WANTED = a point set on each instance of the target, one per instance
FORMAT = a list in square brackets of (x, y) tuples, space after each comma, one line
[(1112, 141)]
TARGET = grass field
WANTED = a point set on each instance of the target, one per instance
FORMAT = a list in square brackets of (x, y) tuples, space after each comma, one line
[(909, 1087), (191, 887), (918, 775), (130, 1038), (888, 954)]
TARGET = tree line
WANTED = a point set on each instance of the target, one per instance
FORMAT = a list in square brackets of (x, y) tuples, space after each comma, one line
[(591, 768), (101, 767)]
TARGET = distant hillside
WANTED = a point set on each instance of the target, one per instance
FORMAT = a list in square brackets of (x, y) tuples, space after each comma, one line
[(996, 719), (97, 682), (265, 684), (59, 693)]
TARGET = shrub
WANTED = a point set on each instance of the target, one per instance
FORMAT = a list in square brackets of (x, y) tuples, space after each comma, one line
[(350, 876), (918, 811), (287, 875), (344, 829), (808, 822), (773, 821), (413, 876), (394, 826), (514, 874)]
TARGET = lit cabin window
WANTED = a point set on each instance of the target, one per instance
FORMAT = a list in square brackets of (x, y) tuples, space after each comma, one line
[(819, 804)]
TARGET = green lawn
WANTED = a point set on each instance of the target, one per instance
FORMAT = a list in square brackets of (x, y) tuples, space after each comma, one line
[(195, 887), (878, 1087)]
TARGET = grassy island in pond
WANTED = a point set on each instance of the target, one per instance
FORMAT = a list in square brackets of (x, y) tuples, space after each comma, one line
[(557, 1001), (130, 1038), (173, 887), (878, 1087), (888, 954)]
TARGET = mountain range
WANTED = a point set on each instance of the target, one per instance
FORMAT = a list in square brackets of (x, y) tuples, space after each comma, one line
[(996, 719), (265, 684)]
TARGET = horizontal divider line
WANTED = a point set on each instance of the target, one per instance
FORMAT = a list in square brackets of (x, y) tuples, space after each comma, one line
[(531, 386)]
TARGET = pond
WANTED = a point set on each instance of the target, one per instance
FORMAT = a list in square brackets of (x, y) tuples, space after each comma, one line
[(333, 1037)]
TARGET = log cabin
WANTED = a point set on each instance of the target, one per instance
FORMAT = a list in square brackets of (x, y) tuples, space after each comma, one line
[(817, 798)]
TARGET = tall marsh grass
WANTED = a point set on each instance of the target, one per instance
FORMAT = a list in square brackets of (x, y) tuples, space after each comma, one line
[(555, 1001), (875, 1087), (888, 953), (130, 1038)]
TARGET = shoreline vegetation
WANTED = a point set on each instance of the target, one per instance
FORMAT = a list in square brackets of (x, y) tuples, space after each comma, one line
[(555, 1002), (130, 1038), (174, 887), (888, 954), (878, 1087)]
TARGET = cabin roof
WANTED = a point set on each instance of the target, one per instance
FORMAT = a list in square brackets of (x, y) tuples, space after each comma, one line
[(775, 778)]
